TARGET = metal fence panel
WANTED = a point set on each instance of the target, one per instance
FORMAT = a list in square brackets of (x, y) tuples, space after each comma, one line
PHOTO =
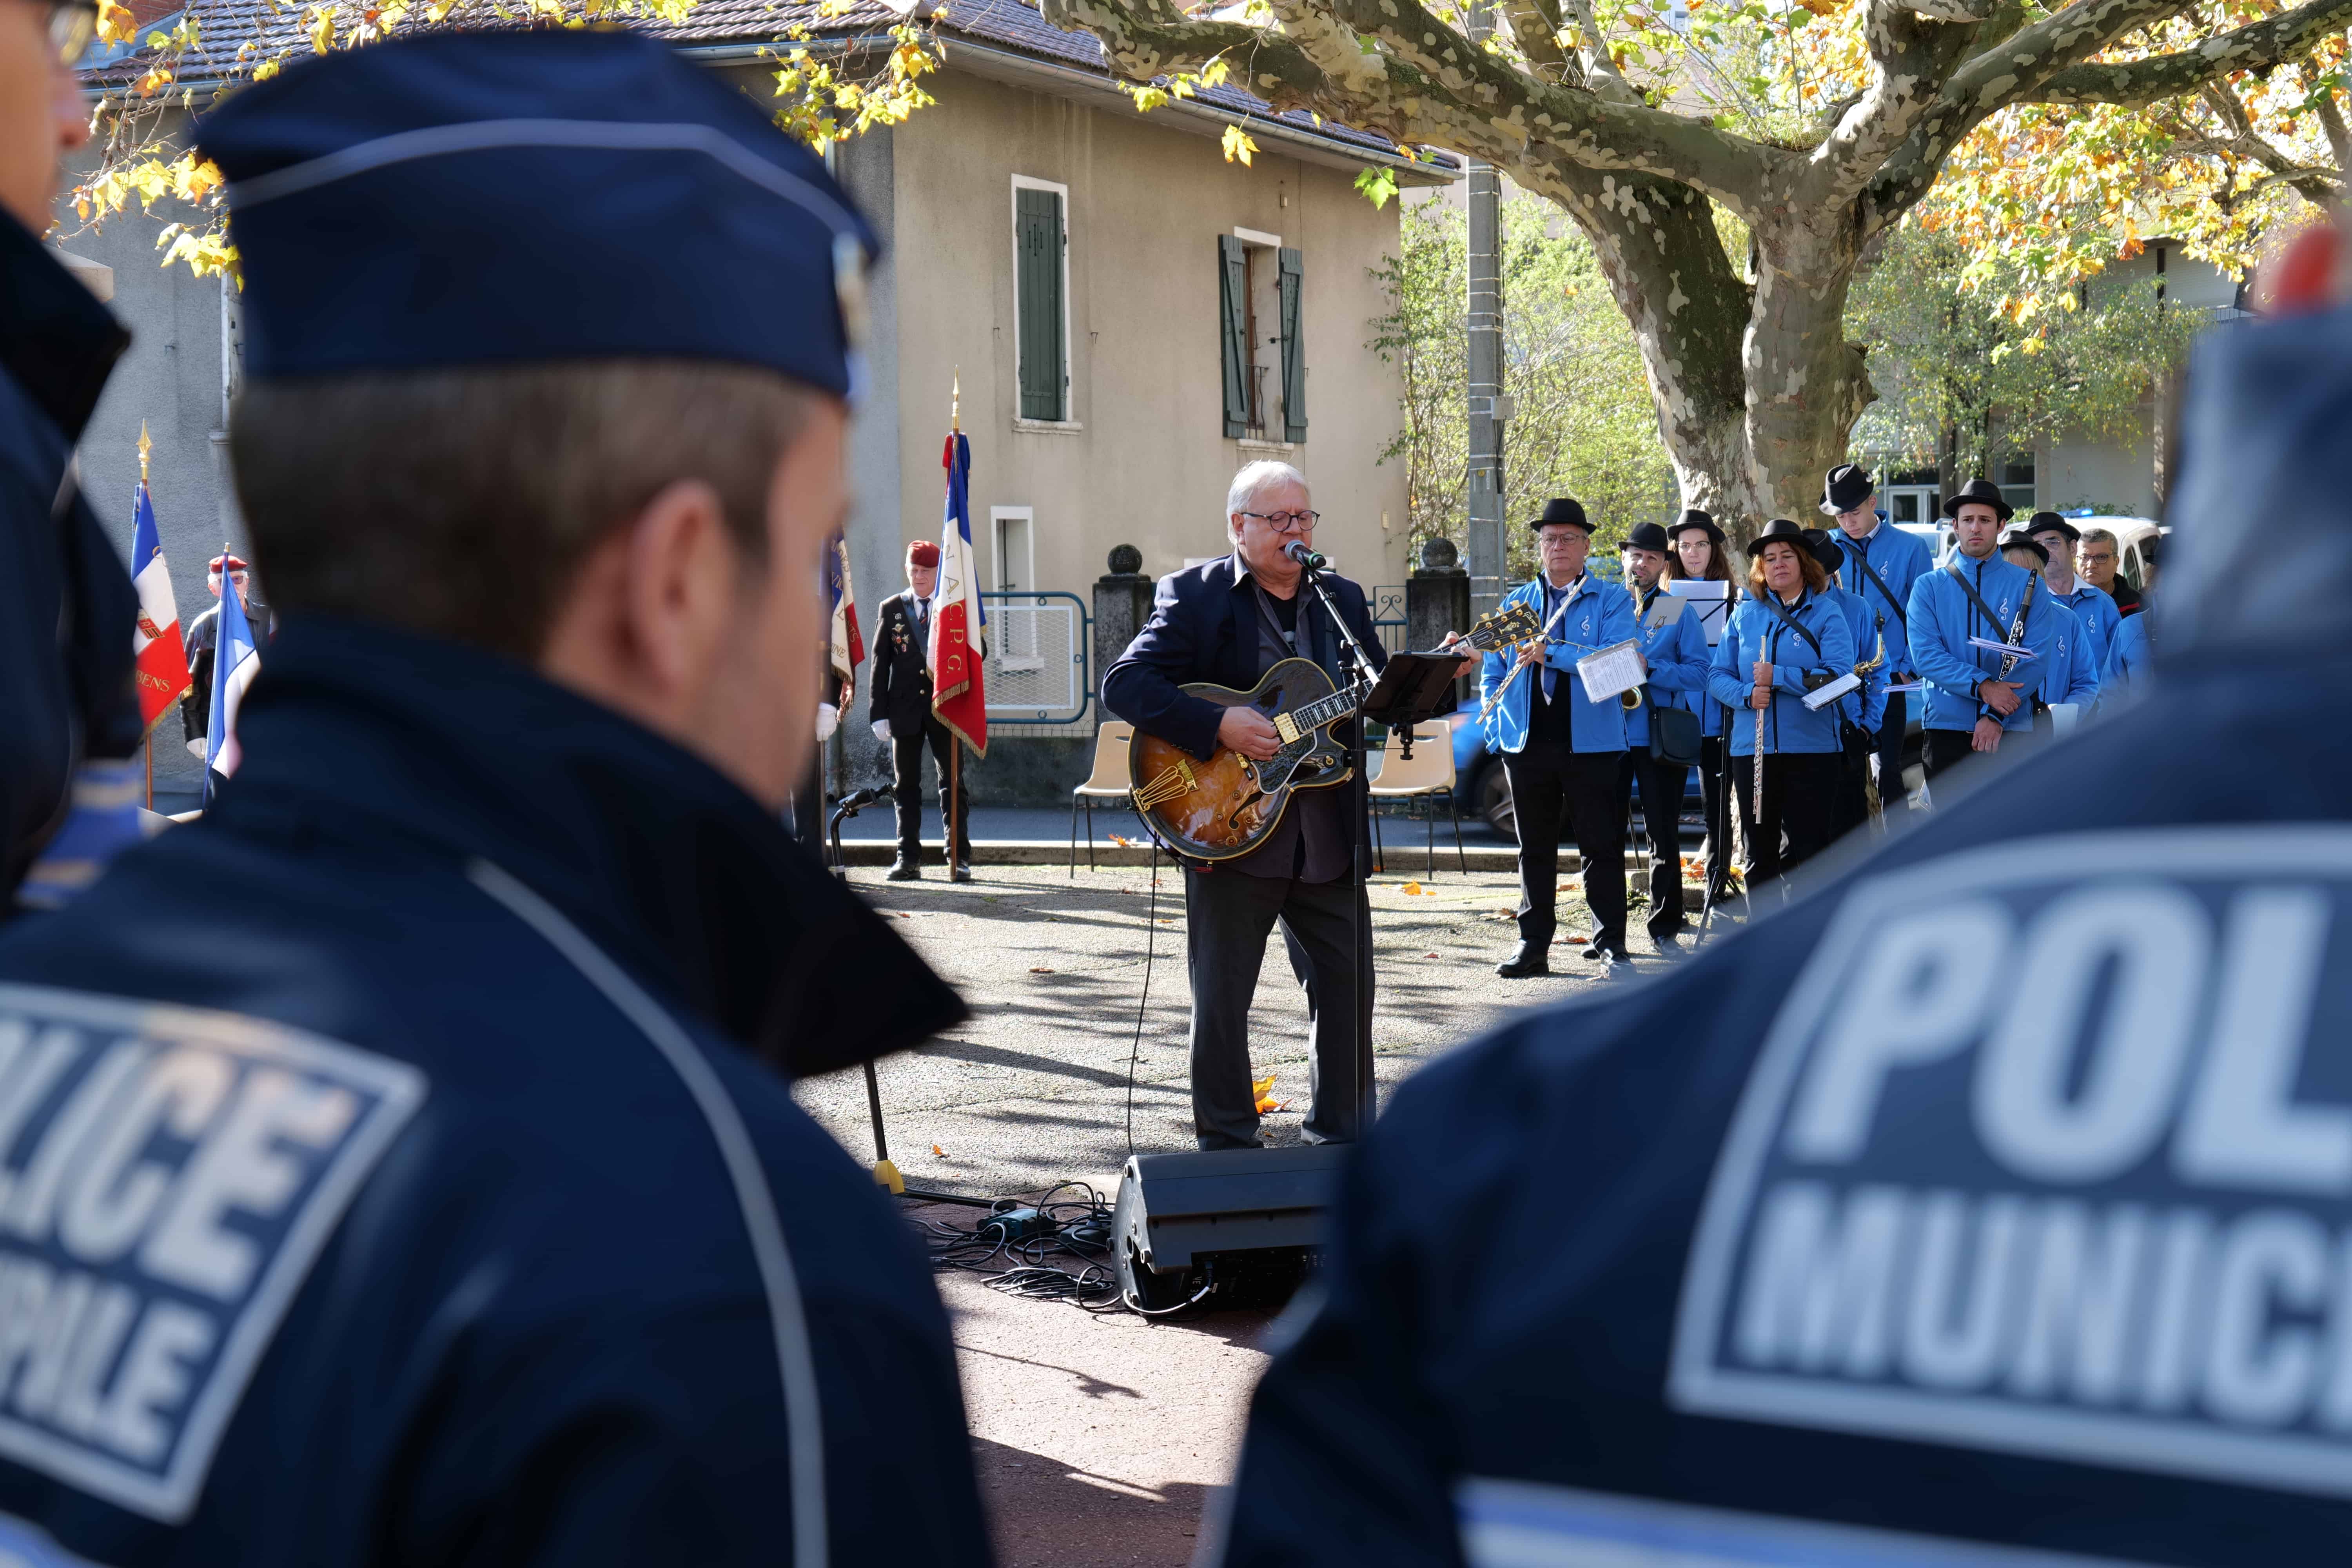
[(1388, 615), (1039, 648)]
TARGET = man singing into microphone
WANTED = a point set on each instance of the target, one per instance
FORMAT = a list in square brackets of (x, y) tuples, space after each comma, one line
[(1227, 622)]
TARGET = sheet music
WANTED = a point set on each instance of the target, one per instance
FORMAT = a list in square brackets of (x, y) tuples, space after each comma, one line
[(1714, 603), (1990, 645), (1822, 697), (1613, 670)]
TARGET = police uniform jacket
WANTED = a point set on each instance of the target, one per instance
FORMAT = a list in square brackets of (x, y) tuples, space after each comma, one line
[(1599, 615), (1756, 632), (1675, 647), (2042, 1264), (419, 1178), (2098, 613), (66, 606), (1864, 708), (1899, 560), (901, 683), (1943, 619)]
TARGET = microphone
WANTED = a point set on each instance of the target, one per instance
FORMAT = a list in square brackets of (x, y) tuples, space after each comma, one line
[(1313, 560)]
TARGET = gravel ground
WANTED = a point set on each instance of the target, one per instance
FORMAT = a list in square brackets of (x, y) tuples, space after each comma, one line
[(1099, 1437)]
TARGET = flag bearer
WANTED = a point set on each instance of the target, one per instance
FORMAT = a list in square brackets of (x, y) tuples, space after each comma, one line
[(429, 1185), (1676, 649), (1977, 695)]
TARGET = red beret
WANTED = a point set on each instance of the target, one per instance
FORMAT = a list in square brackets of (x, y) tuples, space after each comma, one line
[(229, 564), (923, 552)]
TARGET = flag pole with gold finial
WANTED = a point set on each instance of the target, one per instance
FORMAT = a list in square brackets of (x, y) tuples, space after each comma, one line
[(146, 446), (948, 811)]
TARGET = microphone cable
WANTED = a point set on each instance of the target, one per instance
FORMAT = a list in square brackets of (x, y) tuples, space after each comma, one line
[(1150, 934)]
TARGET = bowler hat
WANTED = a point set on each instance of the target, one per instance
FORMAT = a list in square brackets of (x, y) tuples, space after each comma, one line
[(2051, 523), (1564, 509), (1694, 517), (1985, 493), (1825, 550), (1647, 536), (1844, 488), (1781, 530), (2022, 539)]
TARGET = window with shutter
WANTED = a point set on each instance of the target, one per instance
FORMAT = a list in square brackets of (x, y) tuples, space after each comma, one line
[(1293, 353), (1043, 356), (1233, 332)]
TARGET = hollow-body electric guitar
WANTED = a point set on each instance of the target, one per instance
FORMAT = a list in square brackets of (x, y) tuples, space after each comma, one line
[(1225, 807)]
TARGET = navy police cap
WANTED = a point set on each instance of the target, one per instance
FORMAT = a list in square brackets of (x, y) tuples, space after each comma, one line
[(489, 198)]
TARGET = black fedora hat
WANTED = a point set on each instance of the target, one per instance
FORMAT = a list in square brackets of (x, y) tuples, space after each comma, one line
[(1647, 536), (1694, 517), (2022, 539), (2051, 523), (1781, 530), (1985, 493), (1844, 488), (1825, 550), (1564, 509)]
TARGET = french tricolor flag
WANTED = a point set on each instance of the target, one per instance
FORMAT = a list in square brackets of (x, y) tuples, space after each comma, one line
[(236, 659), (162, 657)]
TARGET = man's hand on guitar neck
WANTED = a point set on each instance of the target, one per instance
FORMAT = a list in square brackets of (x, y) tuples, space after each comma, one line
[(1470, 656), (1246, 729)]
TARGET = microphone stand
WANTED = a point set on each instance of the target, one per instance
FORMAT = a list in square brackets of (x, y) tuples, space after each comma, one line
[(1360, 848)]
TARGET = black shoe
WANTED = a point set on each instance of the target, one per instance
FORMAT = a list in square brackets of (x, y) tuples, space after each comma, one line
[(1529, 959), (1594, 951), (903, 869), (1670, 946), (960, 874)]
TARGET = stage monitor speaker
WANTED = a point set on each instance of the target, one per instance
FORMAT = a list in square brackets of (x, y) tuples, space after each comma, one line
[(1242, 1223)]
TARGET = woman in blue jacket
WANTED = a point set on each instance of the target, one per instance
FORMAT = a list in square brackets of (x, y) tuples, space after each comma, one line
[(1785, 639), (1699, 555)]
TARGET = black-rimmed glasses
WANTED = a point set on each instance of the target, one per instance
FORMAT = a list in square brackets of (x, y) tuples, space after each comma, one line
[(1286, 521)]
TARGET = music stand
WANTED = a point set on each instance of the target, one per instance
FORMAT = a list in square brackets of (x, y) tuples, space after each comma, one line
[(1413, 689)]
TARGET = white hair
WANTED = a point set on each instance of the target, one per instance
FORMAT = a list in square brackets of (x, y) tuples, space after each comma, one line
[(1261, 475)]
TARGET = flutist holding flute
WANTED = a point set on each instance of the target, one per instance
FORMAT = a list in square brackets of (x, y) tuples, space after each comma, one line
[(1785, 643)]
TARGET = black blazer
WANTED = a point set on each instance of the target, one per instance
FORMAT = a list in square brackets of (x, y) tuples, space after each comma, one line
[(1204, 627), (901, 682)]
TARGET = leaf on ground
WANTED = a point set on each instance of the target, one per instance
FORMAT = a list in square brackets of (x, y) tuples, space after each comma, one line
[(1429, 955), (940, 1151), (1122, 840), (1412, 889), (1036, 970)]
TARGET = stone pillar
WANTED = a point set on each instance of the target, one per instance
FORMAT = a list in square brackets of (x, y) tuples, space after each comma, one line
[(1437, 601), (1122, 603)]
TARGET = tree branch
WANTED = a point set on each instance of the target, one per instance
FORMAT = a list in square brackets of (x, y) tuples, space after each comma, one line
[(1535, 27), (2258, 45), (2339, 141)]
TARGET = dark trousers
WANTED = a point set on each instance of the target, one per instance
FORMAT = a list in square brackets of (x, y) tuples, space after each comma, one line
[(1945, 747), (1227, 916), (1892, 800), (906, 792), (1662, 812), (1800, 801), (1716, 790), (1851, 805), (1549, 781)]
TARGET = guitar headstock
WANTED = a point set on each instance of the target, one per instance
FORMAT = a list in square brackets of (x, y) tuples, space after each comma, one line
[(1511, 623)]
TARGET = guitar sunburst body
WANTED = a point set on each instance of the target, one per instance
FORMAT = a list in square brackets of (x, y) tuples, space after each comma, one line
[(1224, 807)]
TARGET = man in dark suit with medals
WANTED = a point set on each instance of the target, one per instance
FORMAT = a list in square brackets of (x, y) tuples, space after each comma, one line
[(1227, 622), (901, 711)]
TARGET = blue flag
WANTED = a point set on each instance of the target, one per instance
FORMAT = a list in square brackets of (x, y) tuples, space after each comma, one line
[(236, 659)]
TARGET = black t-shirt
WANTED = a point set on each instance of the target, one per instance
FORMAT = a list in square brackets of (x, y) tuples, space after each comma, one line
[(1286, 616)]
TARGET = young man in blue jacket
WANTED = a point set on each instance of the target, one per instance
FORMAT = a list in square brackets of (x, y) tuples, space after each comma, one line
[(1675, 650), (1786, 641), (2071, 675), (1881, 565), (1860, 710), (1561, 749), (2098, 613), (1976, 695)]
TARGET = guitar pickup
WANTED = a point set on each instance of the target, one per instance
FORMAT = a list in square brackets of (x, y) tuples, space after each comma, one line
[(1287, 726)]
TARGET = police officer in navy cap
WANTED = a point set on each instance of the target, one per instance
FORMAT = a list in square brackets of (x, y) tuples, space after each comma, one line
[(1985, 1207), (1882, 564), (399, 1163)]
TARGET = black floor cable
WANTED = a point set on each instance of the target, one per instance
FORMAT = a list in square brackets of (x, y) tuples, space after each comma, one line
[(1019, 1245), (1151, 932)]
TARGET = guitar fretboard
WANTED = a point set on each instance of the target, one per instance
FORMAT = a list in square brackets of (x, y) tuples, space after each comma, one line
[(1321, 711)]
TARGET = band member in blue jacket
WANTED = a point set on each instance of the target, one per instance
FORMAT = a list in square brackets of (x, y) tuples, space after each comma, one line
[(1859, 711), (1881, 565), (1675, 650), (1699, 556), (1560, 749), (1976, 695), (427, 1181), (2071, 675), (2092, 605), (1785, 640)]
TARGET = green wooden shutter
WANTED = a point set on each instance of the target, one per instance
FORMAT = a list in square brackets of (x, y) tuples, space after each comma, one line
[(1294, 355), (1037, 235), (1233, 287)]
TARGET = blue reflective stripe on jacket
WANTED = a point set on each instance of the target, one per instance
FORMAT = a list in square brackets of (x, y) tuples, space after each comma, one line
[(1599, 615), (1677, 653), (1943, 618), (1756, 632), (1900, 559)]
